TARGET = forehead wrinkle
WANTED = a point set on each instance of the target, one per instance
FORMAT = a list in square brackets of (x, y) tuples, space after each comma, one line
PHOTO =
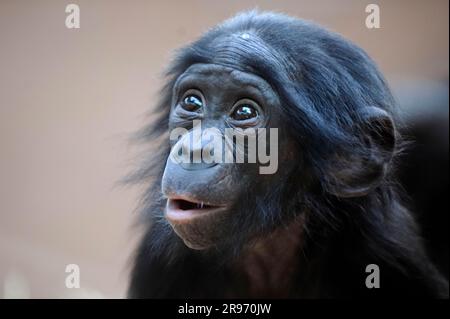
[(239, 52), (236, 77)]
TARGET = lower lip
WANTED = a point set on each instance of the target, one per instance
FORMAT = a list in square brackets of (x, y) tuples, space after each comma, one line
[(173, 213)]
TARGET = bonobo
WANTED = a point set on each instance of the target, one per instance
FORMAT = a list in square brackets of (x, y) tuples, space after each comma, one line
[(309, 228)]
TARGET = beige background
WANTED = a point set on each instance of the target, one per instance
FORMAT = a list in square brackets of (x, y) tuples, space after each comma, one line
[(70, 98)]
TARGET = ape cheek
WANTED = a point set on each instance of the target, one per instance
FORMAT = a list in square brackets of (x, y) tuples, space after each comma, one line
[(202, 232)]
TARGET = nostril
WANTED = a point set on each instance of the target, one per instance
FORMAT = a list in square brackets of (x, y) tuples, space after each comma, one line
[(185, 150), (197, 166)]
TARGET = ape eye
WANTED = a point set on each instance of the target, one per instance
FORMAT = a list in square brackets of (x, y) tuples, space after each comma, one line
[(192, 101), (244, 111)]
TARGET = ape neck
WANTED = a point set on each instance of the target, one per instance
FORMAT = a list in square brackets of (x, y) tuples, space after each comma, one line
[(269, 264)]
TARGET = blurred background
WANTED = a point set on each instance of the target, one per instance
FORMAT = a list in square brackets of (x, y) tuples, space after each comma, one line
[(70, 98)]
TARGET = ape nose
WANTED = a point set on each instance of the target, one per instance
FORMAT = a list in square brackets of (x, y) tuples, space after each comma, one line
[(194, 155)]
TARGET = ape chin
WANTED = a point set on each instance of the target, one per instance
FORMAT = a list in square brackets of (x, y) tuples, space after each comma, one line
[(199, 227), (223, 227)]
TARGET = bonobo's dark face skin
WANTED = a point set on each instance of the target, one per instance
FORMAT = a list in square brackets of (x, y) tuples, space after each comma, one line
[(201, 196)]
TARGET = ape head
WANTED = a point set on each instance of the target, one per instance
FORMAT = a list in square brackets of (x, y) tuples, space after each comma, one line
[(324, 96), (335, 143)]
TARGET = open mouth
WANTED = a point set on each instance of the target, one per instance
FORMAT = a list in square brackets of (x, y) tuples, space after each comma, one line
[(179, 209), (187, 205)]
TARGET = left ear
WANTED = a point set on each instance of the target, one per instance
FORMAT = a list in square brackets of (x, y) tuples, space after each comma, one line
[(357, 174)]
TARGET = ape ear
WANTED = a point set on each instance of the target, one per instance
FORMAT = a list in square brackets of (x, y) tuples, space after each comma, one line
[(363, 169)]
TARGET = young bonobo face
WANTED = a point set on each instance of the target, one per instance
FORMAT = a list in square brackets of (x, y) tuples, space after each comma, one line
[(201, 194)]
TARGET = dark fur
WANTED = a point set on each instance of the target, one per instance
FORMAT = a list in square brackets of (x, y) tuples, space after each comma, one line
[(322, 80)]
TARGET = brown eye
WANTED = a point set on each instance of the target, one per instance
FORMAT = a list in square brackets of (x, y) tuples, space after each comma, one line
[(191, 102), (244, 112)]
